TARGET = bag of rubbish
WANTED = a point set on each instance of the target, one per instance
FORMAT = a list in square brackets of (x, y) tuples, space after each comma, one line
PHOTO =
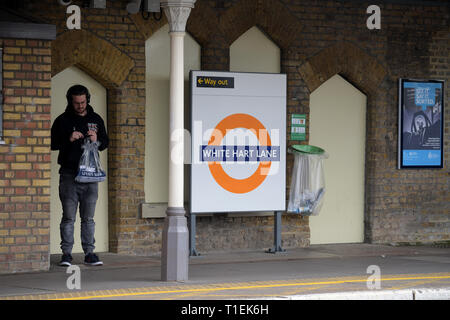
[(308, 181), (89, 168)]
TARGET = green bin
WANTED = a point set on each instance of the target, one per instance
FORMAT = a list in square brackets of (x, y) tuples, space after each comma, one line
[(305, 148)]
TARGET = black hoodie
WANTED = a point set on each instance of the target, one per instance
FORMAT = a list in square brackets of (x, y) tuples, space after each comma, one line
[(62, 128)]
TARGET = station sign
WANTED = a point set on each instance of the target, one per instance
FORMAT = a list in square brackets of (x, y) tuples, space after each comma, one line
[(238, 142)]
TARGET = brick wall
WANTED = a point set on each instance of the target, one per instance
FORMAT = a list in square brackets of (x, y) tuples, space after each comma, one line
[(400, 205), (25, 156), (317, 40), (412, 206)]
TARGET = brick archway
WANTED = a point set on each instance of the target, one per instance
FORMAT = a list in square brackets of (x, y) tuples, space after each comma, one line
[(95, 56), (112, 68), (204, 24), (270, 16), (368, 75), (216, 32), (346, 59)]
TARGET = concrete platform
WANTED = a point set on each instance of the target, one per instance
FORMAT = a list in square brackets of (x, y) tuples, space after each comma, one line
[(340, 271)]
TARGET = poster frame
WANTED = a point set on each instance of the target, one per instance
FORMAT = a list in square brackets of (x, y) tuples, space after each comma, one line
[(402, 115)]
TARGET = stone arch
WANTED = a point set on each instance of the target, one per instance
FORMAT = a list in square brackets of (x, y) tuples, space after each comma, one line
[(93, 55), (346, 59)]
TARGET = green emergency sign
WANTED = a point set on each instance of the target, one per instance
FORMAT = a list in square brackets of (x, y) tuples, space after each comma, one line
[(298, 127)]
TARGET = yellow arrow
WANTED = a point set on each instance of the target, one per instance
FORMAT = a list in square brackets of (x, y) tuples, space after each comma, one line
[(200, 80)]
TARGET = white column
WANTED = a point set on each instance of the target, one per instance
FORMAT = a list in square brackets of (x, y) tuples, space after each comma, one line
[(176, 118), (175, 242)]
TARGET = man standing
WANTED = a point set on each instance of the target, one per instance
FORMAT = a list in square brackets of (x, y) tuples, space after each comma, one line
[(79, 121)]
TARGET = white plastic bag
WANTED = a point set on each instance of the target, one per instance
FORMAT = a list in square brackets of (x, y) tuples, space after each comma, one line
[(89, 168), (307, 184)]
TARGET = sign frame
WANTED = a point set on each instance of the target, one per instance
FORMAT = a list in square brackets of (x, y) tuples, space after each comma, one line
[(421, 124), (233, 119)]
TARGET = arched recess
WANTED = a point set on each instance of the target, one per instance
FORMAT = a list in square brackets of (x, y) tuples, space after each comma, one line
[(61, 82), (363, 72), (253, 51), (337, 123), (110, 67)]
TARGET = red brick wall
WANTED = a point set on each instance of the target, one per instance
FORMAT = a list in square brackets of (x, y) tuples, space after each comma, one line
[(25, 156)]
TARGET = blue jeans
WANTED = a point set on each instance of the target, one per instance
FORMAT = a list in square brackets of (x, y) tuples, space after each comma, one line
[(72, 193)]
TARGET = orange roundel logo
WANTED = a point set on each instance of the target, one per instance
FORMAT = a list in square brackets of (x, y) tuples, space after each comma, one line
[(234, 121)]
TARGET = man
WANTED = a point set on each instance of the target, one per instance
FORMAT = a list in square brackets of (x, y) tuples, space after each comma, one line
[(79, 121)]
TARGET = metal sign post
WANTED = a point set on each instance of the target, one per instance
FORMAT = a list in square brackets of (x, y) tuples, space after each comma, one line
[(277, 234), (192, 233)]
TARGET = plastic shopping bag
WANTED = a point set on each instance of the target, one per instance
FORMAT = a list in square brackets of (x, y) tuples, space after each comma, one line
[(89, 168), (307, 185)]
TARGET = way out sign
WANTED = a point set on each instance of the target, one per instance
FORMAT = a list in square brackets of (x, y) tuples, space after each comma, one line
[(238, 142)]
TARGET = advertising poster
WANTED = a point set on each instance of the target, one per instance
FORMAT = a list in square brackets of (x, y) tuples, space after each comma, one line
[(421, 112), (238, 142)]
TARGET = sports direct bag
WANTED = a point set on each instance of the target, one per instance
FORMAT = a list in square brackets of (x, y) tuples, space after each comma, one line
[(89, 168)]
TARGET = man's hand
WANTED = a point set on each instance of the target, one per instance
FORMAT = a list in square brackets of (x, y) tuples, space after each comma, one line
[(75, 136), (93, 135)]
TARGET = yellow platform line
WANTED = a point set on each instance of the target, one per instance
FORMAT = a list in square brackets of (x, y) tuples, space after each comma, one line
[(99, 294)]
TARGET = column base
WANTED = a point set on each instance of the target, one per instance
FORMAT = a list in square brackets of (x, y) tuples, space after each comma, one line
[(175, 246)]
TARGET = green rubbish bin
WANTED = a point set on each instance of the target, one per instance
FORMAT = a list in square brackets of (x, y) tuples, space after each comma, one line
[(307, 149), (308, 182)]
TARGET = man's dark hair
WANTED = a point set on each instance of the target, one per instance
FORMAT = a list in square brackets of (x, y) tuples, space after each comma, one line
[(77, 90)]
